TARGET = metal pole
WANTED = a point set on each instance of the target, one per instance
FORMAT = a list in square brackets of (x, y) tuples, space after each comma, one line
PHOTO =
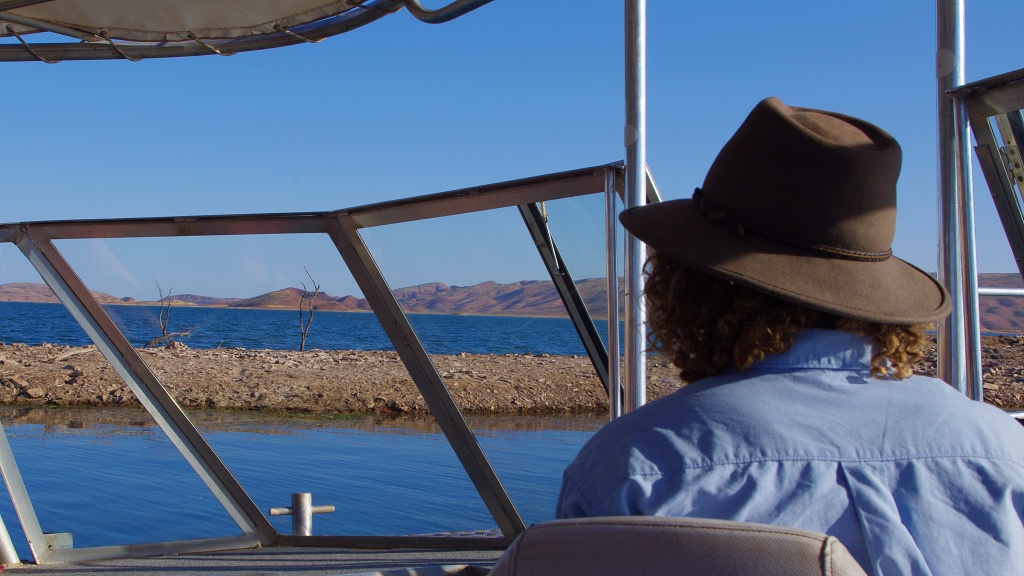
[(959, 336), (636, 195), (611, 251), (125, 361), (445, 14), (302, 514), (22, 506), (8, 555), (424, 374), (582, 321), (302, 511)]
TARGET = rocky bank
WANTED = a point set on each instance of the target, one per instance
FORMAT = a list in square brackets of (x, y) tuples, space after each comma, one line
[(346, 382), (314, 381)]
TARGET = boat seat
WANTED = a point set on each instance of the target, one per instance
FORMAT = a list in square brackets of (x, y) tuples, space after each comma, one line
[(651, 545)]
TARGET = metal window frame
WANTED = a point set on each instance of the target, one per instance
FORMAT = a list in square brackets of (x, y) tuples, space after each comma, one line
[(343, 229), (991, 103), (35, 240), (557, 269), (982, 108)]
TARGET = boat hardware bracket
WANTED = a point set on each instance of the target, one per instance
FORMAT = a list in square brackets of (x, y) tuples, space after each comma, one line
[(302, 511)]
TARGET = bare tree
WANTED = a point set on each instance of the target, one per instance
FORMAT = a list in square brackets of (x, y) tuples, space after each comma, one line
[(165, 309), (172, 339), (306, 306)]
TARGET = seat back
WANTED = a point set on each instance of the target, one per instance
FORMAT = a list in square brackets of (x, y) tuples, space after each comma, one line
[(652, 545)]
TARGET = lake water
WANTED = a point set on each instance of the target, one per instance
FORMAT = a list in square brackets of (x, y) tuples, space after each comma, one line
[(33, 323), (109, 476)]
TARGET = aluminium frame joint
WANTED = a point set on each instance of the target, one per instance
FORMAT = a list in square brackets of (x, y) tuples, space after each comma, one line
[(1014, 165)]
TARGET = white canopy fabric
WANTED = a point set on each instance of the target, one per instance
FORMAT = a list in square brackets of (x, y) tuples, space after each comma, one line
[(171, 20)]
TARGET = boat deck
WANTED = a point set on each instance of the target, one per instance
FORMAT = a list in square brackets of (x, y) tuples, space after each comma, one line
[(289, 561)]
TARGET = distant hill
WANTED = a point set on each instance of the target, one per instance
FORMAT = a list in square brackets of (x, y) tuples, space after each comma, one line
[(288, 298), (529, 297), (525, 298), (532, 297), (27, 292), (197, 300), (1001, 313), (1002, 280)]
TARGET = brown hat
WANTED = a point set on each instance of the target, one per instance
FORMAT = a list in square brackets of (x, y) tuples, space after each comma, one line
[(800, 204)]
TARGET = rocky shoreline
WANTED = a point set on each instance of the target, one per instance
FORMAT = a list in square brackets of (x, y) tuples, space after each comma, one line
[(320, 382), (311, 382)]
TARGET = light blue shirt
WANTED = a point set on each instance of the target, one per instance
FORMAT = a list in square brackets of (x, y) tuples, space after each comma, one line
[(911, 476)]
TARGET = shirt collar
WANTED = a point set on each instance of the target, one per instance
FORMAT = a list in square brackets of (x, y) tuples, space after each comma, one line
[(822, 349)]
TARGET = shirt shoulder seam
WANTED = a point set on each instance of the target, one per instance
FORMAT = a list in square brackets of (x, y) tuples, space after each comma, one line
[(894, 458)]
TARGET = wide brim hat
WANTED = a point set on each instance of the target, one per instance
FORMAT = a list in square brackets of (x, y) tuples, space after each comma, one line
[(800, 204)]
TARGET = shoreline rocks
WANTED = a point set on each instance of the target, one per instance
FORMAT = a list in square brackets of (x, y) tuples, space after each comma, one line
[(321, 382), (312, 382)]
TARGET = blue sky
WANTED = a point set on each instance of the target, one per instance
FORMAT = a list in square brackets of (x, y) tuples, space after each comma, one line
[(400, 108)]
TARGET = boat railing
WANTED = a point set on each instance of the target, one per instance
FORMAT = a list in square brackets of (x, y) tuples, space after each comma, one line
[(995, 112), (36, 240)]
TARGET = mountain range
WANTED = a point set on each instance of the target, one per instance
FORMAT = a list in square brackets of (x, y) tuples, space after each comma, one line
[(1004, 314), (524, 298)]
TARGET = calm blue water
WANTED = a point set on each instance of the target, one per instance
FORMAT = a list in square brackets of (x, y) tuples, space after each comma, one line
[(112, 479), (115, 479), (32, 323)]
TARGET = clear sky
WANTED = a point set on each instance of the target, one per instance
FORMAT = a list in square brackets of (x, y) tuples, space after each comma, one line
[(400, 108)]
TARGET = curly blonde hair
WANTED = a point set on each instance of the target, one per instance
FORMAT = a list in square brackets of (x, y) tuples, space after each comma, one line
[(707, 325)]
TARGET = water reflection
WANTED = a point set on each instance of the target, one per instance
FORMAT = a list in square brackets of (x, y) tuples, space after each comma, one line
[(77, 418), (109, 476)]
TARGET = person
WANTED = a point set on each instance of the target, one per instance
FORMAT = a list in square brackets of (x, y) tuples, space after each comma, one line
[(775, 292)]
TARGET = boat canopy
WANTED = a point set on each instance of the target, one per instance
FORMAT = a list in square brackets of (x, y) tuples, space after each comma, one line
[(113, 29)]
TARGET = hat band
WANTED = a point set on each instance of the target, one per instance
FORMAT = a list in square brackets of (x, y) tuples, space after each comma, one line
[(718, 215)]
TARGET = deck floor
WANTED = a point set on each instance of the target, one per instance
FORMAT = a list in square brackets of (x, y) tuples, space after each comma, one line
[(283, 561)]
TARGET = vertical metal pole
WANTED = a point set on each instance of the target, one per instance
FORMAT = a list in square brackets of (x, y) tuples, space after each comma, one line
[(302, 514), (636, 195), (612, 263), (959, 336)]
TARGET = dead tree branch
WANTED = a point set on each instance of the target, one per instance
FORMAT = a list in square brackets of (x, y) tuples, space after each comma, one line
[(164, 316), (171, 340), (167, 339), (304, 307)]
